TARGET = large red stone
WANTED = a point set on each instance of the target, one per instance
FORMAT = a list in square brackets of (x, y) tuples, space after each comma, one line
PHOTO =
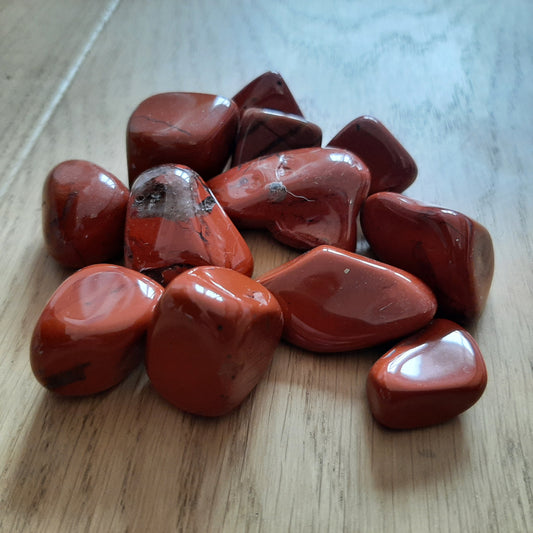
[(267, 91), (91, 333), (193, 129), (174, 223), (390, 165), (212, 339), (333, 300), (304, 197), (427, 378), (265, 131), (451, 252), (83, 214)]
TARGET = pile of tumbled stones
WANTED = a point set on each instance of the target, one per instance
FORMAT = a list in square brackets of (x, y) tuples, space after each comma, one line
[(180, 294)]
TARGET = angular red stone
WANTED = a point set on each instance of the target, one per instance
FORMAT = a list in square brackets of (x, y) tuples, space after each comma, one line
[(91, 333), (333, 300), (265, 131), (193, 129), (83, 214), (427, 378), (174, 223), (267, 91), (212, 339), (304, 197), (391, 167), (451, 252)]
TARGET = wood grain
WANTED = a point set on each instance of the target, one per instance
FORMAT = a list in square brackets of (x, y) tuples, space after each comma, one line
[(452, 80)]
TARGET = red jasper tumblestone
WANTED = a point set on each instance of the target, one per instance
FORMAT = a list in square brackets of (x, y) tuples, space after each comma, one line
[(304, 197), (267, 91), (174, 223), (212, 338), (427, 378), (451, 252), (83, 214), (334, 300), (390, 165), (91, 333), (193, 129), (266, 131)]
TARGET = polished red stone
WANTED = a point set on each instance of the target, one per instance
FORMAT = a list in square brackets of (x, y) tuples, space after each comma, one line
[(333, 300), (304, 197), (267, 91), (427, 378), (390, 165), (451, 252), (193, 129), (83, 213), (265, 131), (174, 223), (212, 339), (91, 333)]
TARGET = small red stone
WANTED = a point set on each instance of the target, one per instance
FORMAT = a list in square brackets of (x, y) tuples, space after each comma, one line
[(83, 213), (193, 129), (304, 197), (265, 131), (451, 252), (174, 223), (390, 165), (267, 91), (427, 378), (333, 300), (91, 333), (212, 339)]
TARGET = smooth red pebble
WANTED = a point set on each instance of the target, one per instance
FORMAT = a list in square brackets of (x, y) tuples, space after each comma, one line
[(334, 300), (427, 378), (174, 223), (390, 165), (212, 339), (304, 197), (193, 129), (83, 214), (265, 131), (451, 252), (267, 91), (91, 333)]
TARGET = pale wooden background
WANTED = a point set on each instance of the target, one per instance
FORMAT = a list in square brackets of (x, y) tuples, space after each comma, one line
[(453, 80)]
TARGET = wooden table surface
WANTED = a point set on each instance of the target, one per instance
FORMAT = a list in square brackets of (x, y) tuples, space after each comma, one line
[(453, 81)]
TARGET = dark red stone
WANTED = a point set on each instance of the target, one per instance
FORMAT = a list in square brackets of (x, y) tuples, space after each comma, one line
[(304, 197), (333, 300), (193, 129), (212, 339), (427, 378), (174, 223), (83, 213), (267, 91), (451, 252), (391, 167), (265, 131), (91, 333)]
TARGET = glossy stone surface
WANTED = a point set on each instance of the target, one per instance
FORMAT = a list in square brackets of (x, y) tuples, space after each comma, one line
[(212, 339), (427, 378), (91, 333), (333, 300), (451, 252), (305, 197), (390, 165), (267, 91), (265, 131), (174, 223), (83, 214), (193, 129)]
